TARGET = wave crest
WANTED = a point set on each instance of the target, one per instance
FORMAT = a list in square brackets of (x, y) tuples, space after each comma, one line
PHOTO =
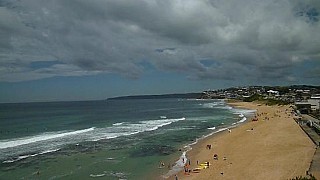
[(42, 137)]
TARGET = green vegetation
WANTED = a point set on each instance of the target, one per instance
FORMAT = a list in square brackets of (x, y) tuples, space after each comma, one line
[(255, 97), (269, 102)]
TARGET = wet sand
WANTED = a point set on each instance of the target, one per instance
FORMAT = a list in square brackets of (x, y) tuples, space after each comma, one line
[(274, 147)]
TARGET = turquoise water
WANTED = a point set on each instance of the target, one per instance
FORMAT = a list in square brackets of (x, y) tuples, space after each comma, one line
[(116, 139)]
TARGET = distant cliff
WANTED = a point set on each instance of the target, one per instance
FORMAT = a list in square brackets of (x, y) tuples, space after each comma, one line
[(163, 96)]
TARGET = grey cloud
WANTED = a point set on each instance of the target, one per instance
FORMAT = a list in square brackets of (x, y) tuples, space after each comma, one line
[(264, 38)]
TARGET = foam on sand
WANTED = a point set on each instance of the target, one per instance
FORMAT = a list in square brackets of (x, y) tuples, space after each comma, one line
[(179, 165)]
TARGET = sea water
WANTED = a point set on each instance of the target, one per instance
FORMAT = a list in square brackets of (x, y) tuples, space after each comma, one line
[(110, 139)]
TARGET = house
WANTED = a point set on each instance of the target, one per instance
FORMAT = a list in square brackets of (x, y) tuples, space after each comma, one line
[(272, 93)]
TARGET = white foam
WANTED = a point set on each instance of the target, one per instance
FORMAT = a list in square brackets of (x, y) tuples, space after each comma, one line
[(18, 148), (179, 165), (219, 130), (49, 151), (225, 107), (244, 112), (216, 104), (97, 175), (41, 137), (155, 124), (209, 105), (212, 117), (117, 124), (212, 128), (29, 155), (128, 129), (242, 120), (97, 136)]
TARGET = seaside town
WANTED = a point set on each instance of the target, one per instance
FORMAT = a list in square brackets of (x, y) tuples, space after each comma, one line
[(305, 98), (304, 102)]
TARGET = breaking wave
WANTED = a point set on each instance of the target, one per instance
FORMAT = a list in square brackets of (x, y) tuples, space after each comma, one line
[(13, 150), (42, 137)]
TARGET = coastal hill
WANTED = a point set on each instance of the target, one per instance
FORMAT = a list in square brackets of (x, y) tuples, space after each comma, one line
[(287, 93), (162, 96)]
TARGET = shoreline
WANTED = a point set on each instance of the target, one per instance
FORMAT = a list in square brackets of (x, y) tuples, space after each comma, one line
[(236, 148), (187, 148)]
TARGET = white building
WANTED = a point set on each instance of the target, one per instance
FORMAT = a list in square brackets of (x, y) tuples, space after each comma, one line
[(273, 93), (315, 102)]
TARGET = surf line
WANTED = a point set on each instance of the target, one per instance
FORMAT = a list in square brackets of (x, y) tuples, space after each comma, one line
[(41, 137)]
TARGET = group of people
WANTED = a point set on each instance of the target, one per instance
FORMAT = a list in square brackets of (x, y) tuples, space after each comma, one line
[(208, 146), (187, 168)]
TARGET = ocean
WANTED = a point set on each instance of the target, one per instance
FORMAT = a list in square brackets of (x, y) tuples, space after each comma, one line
[(109, 139)]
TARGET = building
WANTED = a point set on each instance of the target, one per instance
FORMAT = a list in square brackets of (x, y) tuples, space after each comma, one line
[(310, 105), (272, 93), (304, 107), (314, 102)]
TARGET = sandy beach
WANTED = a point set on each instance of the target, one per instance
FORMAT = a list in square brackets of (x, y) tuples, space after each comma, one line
[(274, 147)]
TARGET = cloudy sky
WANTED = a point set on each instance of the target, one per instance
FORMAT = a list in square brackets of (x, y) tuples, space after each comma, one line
[(93, 49)]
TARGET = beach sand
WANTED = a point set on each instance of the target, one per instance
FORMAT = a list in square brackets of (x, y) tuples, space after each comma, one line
[(274, 147)]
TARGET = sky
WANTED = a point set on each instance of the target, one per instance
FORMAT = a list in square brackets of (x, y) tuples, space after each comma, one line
[(58, 50)]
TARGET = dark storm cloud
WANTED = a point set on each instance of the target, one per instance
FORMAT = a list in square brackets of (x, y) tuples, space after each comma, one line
[(267, 39)]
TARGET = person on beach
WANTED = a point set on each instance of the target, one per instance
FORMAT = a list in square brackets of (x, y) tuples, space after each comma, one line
[(186, 169), (208, 146), (215, 156), (161, 164), (175, 177)]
